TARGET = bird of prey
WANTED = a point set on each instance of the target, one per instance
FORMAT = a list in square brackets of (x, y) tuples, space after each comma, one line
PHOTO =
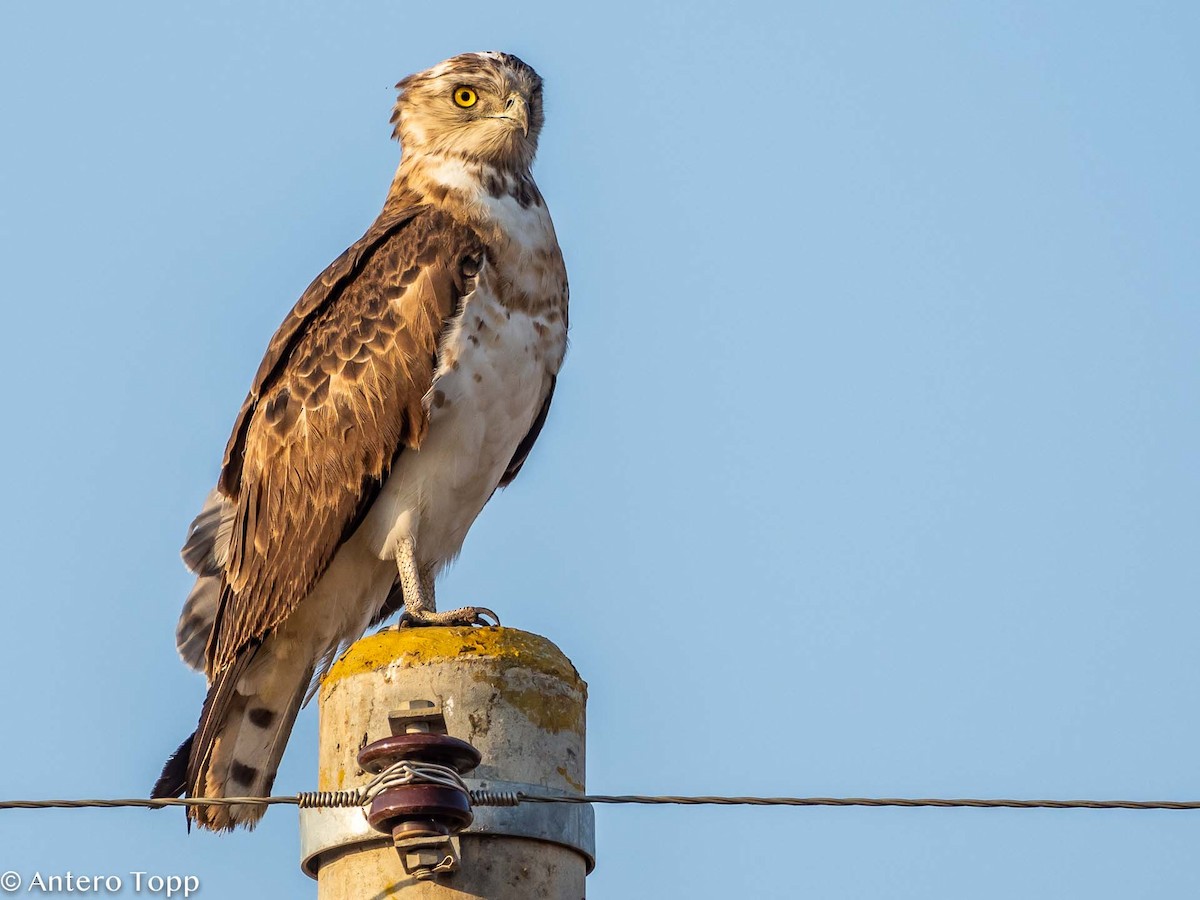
[(409, 382)]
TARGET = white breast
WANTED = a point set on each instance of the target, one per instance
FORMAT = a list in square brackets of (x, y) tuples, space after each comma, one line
[(495, 371), (495, 368)]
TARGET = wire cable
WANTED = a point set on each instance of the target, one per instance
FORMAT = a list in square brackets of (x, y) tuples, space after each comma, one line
[(958, 803), (335, 799)]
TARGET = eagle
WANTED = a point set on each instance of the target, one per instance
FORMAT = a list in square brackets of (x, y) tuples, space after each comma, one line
[(407, 385)]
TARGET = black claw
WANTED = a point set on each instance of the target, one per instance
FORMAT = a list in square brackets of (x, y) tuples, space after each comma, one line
[(480, 612), (478, 615)]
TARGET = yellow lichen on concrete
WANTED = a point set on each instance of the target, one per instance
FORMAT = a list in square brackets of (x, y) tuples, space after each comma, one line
[(550, 709), (408, 647), (566, 776)]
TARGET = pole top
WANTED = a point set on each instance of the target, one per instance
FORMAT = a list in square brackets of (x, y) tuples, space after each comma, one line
[(407, 648), (512, 695)]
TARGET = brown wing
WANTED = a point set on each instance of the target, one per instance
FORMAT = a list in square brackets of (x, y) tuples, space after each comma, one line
[(337, 397)]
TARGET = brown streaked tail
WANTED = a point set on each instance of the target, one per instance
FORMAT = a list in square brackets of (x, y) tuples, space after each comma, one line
[(238, 744)]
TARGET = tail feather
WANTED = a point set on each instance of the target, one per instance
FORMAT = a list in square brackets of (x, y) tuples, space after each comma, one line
[(205, 552), (239, 742), (196, 621), (174, 778)]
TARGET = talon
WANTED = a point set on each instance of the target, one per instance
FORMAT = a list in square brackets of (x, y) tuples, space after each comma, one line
[(480, 613), (467, 615)]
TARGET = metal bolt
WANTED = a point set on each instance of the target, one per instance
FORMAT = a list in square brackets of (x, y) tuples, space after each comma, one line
[(422, 859), (428, 856), (417, 717)]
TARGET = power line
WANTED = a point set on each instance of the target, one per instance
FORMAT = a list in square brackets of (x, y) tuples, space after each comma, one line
[(957, 803), (494, 798)]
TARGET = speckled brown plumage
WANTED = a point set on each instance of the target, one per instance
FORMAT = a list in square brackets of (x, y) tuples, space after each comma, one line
[(338, 395)]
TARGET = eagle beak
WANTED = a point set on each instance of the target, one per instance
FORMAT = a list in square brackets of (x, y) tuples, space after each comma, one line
[(517, 110)]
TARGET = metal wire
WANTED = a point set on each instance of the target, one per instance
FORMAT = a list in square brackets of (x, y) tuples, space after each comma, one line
[(495, 798), (409, 771), (331, 799), (401, 772), (158, 803), (867, 801), (328, 799)]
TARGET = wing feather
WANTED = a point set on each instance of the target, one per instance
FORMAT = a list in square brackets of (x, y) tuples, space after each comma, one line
[(339, 394), (527, 442)]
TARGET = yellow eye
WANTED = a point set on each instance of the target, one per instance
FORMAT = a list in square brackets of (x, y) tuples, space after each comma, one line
[(465, 97)]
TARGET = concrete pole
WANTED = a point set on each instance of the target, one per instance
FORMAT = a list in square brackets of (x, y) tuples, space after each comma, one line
[(520, 702)]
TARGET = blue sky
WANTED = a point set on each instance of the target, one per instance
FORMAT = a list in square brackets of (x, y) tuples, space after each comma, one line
[(872, 469)]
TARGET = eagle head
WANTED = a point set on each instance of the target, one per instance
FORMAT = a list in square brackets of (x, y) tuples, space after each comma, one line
[(481, 106)]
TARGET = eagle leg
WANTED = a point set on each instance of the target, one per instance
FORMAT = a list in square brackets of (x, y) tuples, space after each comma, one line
[(420, 607)]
